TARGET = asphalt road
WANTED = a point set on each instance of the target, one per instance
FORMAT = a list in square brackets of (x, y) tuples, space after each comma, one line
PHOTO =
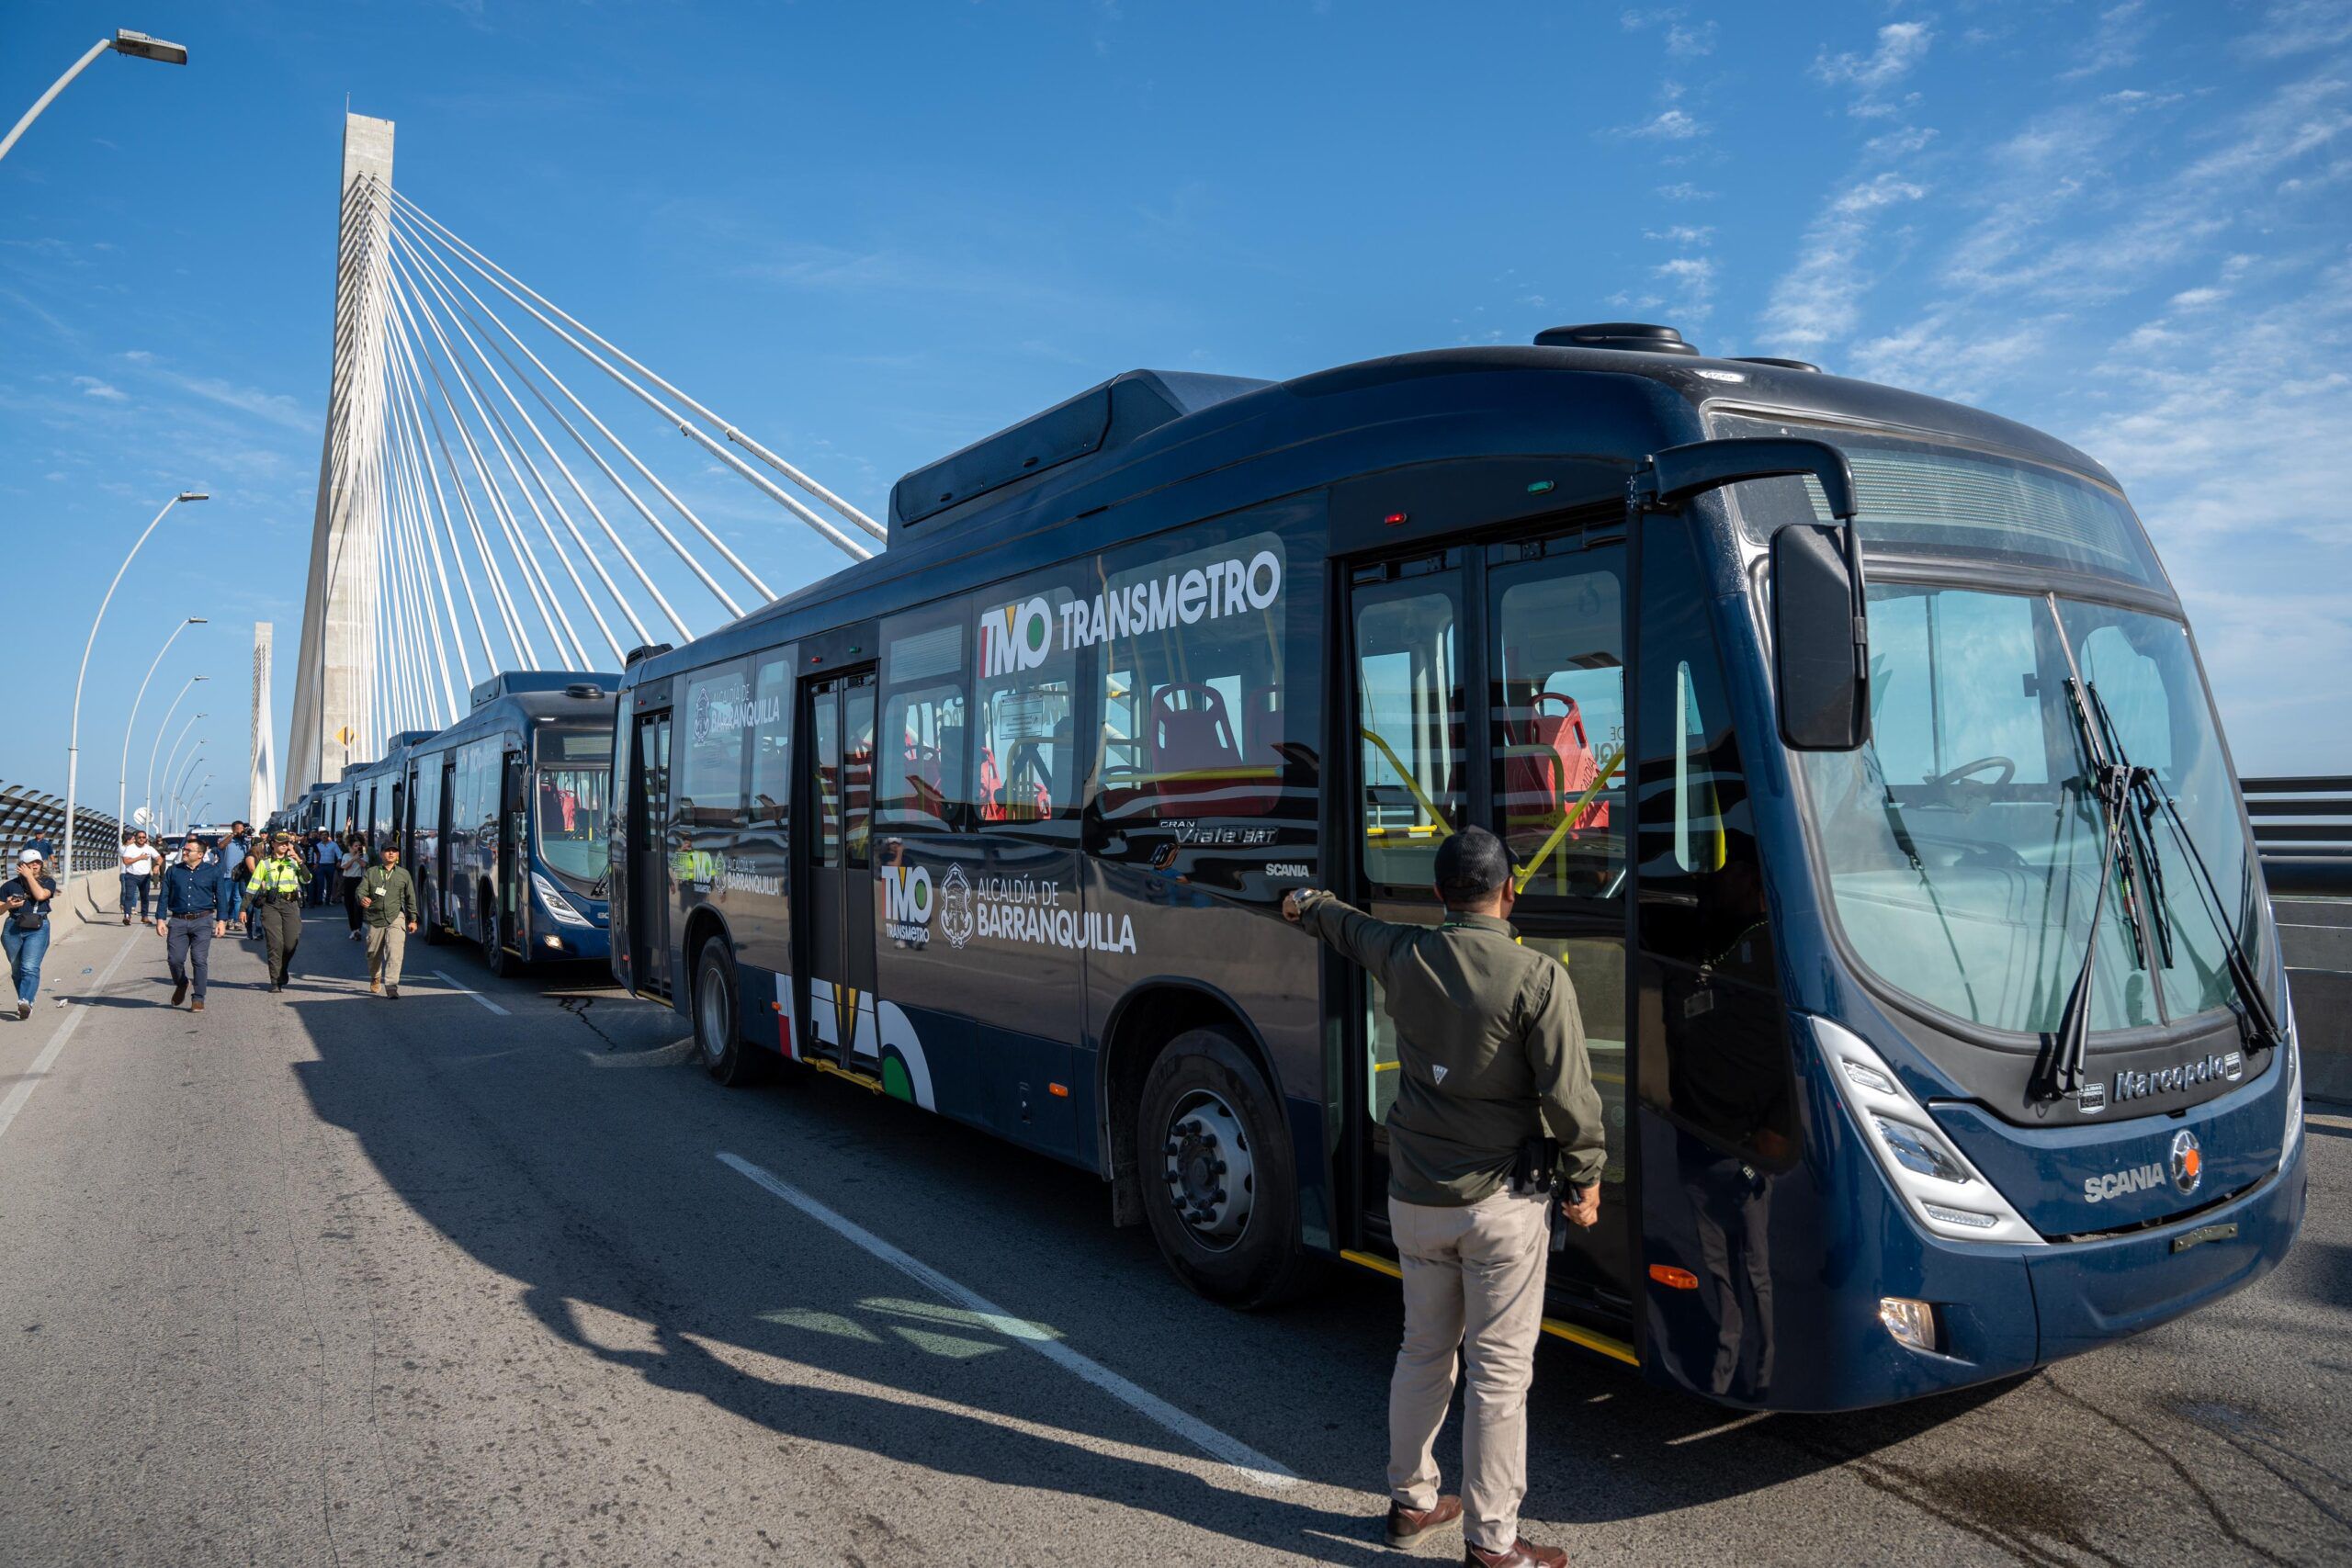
[(320, 1278)]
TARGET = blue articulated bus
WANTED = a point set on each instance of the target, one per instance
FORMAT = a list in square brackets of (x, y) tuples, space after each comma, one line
[(1851, 746), (504, 816)]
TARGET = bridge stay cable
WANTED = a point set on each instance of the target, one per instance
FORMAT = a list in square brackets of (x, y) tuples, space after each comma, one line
[(615, 480), (403, 207)]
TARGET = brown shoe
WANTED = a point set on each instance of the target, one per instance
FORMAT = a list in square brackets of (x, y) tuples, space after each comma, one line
[(1409, 1527), (198, 1006), (375, 988), (179, 992), (1524, 1553)]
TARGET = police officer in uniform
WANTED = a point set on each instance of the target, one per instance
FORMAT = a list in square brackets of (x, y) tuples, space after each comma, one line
[(1491, 1057), (276, 885)]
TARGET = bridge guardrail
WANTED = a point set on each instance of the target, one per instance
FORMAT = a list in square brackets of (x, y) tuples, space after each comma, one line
[(30, 817), (2303, 826)]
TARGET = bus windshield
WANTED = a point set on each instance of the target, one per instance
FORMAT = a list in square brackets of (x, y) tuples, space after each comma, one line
[(1962, 843), (574, 785)]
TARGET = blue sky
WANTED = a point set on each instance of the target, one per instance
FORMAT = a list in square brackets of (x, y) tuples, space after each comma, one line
[(869, 234)]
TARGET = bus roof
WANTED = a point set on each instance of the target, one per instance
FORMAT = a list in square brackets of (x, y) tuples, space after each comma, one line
[(1148, 450)]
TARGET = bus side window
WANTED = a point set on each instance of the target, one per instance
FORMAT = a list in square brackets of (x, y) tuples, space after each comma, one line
[(1192, 654), (922, 760), (711, 777), (772, 741), (1025, 767)]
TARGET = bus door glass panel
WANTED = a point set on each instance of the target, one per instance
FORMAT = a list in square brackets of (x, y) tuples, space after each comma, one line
[(447, 763), (1712, 1046), (1410, 722), (514, 838), (839, 728), (758, 908), (1556, 684), (649, 869)]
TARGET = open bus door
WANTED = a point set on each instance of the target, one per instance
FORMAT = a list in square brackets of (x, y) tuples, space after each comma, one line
[(648, 870), (509, 941), (1488, 687), (836, 866)]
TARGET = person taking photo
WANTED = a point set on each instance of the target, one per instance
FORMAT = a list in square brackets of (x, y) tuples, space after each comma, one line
[(24, 930)]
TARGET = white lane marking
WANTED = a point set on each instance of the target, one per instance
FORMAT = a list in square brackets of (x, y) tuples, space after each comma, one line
[(1252, 1465), (49, 1052), (442, 977)]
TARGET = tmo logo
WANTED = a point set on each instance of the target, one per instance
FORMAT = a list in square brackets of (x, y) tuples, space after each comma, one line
[(1016, 636), (906, 895)]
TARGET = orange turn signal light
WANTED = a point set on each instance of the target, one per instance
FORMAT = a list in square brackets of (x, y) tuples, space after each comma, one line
[(1058, 1090), (1674, 1278)]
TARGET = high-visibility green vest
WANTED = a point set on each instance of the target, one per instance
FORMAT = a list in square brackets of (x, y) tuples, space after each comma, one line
[(276, 875)]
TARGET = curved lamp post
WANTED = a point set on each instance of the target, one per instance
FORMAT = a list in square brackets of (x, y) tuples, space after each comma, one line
[(122, 770), (139, 46), (147, 796), (74, 737)]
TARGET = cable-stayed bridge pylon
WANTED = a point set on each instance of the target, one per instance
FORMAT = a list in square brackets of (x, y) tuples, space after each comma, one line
[(475, 512)]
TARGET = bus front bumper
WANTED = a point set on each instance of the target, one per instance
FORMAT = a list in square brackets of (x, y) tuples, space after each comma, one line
[(2088, 1293)]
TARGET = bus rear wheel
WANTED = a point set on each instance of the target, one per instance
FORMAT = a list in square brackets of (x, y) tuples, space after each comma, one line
[(717, 1039), (1213, 1158)]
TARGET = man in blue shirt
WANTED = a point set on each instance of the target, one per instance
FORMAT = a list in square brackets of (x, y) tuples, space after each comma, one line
[(193, 910)]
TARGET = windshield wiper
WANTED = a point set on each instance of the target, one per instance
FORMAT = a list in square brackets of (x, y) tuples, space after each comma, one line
[(2142, 785), (2110, 786), (2261, 1023)]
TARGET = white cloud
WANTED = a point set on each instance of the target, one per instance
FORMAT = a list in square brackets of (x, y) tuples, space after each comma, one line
[(1668, 125), (2114, 43), (1689, 43), (105, 391), (2298, 27), (1682, 234), (1683, 190), (1692, 279), (1901, 47), (1818, 299)]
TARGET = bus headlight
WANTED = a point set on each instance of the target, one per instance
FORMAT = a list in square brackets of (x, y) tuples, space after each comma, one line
[(1947, 1196), (557, 903), (2294, 1092)]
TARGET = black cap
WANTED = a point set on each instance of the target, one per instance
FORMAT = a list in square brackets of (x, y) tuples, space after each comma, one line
[(1471, 865)]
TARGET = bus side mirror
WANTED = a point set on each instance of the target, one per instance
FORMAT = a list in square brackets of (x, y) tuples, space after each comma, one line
[(1820, 638)]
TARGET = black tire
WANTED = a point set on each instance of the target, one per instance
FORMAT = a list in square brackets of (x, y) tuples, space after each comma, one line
[(1207, 1110), (494, 957), (719, 1034), (429, 922)]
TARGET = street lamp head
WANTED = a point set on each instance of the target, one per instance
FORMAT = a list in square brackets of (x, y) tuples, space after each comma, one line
[(198, 621), (140, 46), (196, 495)]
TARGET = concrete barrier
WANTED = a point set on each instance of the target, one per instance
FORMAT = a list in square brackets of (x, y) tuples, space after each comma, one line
[(2315, 935)]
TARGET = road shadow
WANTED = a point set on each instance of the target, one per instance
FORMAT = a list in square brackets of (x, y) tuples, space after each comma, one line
[(562, 1180)]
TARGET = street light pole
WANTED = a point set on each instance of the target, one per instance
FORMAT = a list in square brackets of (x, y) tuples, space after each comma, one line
[(74, 737), (124, 41), (147, 796), (195, 761), (174, 761), (122, 770)]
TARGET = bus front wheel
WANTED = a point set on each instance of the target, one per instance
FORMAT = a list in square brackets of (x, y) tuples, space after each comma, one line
[(1220, 1188), (494, 957), (718, 1039)]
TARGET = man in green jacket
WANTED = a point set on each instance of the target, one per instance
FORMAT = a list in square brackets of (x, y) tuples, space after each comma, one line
[(387, 903), (1490, 1054)]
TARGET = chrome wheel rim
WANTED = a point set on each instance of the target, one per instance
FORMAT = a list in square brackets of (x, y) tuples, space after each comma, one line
[(1210, 1173), (711, 1015)]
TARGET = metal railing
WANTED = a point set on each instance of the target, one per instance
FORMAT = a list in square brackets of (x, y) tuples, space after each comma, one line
[(29, 816), (2303, 826)]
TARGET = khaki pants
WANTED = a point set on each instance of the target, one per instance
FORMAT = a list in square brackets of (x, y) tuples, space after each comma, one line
[(1474, 1281), (386, 945)]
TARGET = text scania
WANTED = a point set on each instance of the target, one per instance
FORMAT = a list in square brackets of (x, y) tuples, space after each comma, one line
[(1018, 636), (2122, 1183)]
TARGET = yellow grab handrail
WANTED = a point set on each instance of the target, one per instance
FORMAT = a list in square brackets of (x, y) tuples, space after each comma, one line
[(1608, 769), (1445, 828)]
